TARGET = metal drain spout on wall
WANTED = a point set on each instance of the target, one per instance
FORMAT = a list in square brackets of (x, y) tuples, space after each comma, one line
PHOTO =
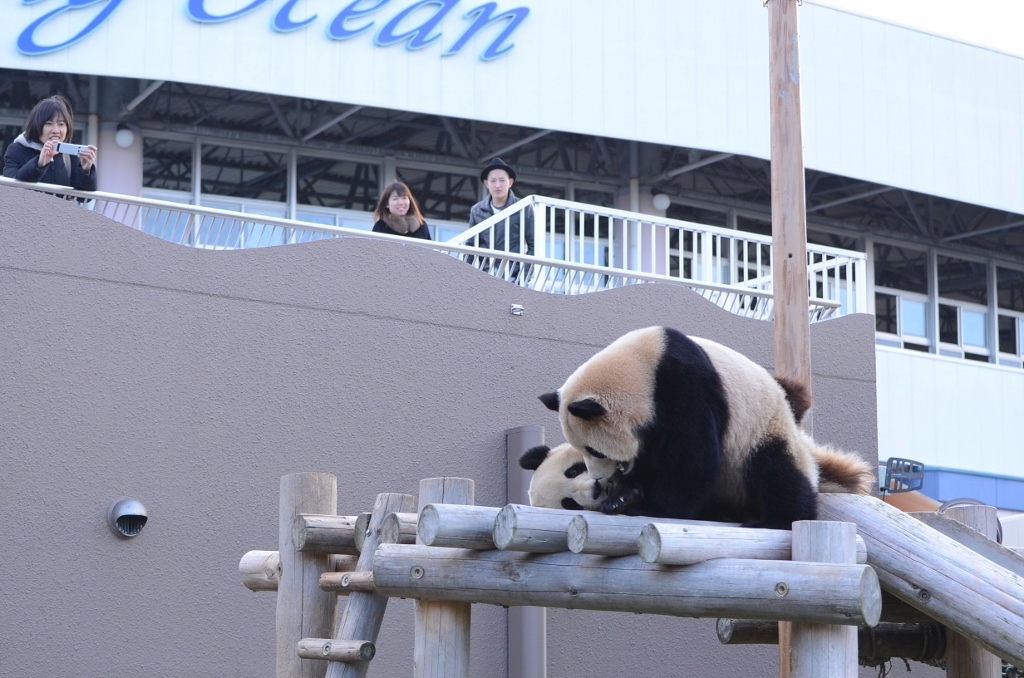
[(126, 517)]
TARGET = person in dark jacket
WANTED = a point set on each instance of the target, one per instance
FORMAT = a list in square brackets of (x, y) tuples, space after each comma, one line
[(498, 178), (398, 214), (33, 155)]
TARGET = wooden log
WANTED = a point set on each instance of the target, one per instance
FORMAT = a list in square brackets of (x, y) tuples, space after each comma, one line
[(975, 538), (824, 649), (399, 528), (336, 650), (767, 589), (935, 574), (303, 610), (967, 659), (919, 642), (346, 582), (535, 530), (441, 628), (261, 570), (365, 609), (458, 526), (897, 611), (312, 533), (603, 535), (672, 544), (362, 525)]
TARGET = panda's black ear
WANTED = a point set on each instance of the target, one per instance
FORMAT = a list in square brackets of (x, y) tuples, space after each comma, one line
[(534, 457), (587, 409), (550, 400)]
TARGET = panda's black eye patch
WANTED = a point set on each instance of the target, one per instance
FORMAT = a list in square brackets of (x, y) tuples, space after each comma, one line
[(576, 469), (571, 504), (594, 453)]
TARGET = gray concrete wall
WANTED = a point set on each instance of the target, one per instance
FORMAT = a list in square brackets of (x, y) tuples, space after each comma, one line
[(193, 380)]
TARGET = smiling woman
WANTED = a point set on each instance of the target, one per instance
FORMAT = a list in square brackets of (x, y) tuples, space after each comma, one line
[(38, 155)]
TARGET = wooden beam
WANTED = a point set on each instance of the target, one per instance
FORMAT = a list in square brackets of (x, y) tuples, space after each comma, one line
[(603, 535), (335, 650), (766, 589), (456, 526), (324, 534), (936, 575), (261, 570), (527, 528)]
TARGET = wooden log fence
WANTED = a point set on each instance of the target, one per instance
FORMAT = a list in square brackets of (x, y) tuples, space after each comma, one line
[(452, 554)]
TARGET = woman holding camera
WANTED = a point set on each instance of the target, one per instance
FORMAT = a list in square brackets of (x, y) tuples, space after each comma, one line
[(34, 155)]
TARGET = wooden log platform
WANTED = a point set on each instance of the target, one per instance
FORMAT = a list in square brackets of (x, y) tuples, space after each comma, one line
[(812, 592), (458, 526), (603, 535), (935, 574), (674, 544), (535, 530)]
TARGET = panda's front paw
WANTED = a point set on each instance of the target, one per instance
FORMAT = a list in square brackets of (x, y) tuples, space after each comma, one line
[(622, 500)]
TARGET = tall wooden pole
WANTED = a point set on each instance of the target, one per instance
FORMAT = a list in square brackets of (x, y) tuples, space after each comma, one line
[(789, 220)]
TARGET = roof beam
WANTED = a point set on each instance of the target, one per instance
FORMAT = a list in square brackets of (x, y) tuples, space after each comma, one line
[(280, 117), (689, 167), (332, 122), (510, 147), (850, 198), (449, 127), (984, 231), (143, 95)]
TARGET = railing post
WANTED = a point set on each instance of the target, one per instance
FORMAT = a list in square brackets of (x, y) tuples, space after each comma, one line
[(860, 274), (441, 645), (539, 227), (824, 649)]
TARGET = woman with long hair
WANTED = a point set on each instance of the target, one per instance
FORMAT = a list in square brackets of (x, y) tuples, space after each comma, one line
[(33, 155), (398, 214)]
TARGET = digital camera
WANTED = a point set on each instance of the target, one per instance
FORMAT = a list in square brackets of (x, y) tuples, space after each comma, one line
[(70, 149)]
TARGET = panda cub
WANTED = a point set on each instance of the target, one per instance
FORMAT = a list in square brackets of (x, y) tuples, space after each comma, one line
[(681, 427), (560, 479)]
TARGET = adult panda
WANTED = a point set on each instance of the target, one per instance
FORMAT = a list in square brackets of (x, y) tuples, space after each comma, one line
[(560, 478), (682, 427)]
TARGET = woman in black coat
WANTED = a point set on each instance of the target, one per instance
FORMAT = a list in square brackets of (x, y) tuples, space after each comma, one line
[(398, 214), (33, 155)]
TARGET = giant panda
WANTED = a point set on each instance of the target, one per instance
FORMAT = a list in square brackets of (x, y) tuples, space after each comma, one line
[(682, 427), (560, 478)]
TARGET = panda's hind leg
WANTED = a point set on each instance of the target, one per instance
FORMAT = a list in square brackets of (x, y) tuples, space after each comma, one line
[(777, 488)]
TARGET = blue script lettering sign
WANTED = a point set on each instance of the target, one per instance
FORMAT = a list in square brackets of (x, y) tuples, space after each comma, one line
[(346, 24)]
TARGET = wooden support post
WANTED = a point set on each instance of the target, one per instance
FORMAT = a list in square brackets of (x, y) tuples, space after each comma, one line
[(824, 649), (967, 659), (789, 219), (365, 609), (536, 530), (441, 647), (946, 580), (670, 544), (303, 610), (764, 589), (603, 535), (454, 526), (527, 626)]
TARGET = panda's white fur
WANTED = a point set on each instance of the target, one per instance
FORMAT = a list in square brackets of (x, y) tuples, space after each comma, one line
[(560, 478), (711, 431)]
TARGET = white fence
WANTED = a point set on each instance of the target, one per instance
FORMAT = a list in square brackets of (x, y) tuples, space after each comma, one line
[(576, 248)]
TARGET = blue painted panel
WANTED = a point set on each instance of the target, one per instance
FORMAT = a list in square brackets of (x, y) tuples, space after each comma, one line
[(1004, 493)]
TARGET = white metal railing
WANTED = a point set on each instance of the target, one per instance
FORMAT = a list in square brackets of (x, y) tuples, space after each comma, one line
[(696, 255), (578, 248)]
